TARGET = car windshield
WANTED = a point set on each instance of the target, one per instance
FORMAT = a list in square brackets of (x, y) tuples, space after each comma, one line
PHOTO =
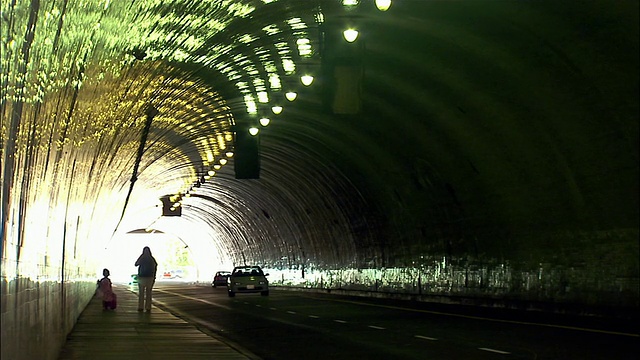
[(247, 271)]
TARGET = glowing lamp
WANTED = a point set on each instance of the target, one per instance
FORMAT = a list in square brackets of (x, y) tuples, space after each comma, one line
[(306, 80), (383, 5), (291, 95), (350, 35)]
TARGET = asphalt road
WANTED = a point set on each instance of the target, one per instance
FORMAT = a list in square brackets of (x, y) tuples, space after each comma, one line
[(301, 325)]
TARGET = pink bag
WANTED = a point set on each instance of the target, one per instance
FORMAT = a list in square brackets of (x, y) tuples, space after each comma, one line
[(113, 304)]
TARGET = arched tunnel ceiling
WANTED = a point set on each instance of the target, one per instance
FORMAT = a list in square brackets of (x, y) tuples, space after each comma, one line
[(464, 127)]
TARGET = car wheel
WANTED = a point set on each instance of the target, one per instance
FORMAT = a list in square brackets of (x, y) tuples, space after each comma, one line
[(232, 294), (265, 293)]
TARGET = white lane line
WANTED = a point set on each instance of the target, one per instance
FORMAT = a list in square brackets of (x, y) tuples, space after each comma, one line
[(489, 319), (291, 312), (340, 321), (376, 327), (259, 305), (495, 351), (273, 309), (314, 316), (426, 337), (196, 299)]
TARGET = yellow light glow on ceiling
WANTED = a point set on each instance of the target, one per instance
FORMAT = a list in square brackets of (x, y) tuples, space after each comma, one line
[(263, 97), (221, 142), (251, 104), (304, 47), (289, 66), (274, 81)]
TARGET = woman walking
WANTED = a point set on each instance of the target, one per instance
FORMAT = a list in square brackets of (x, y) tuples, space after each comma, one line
[(147, 267)]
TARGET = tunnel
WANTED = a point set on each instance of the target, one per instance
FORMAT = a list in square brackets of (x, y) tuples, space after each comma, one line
[(479, 152)]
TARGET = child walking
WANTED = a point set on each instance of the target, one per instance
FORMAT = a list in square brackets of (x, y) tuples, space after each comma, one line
[(105, 289)]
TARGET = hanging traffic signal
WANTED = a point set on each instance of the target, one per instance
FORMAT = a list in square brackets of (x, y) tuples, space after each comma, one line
[(247, 155)]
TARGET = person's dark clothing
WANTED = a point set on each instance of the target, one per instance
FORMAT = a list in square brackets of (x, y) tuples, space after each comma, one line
[(147, 266)]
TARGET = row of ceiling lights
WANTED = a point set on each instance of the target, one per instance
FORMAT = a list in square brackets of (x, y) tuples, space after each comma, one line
[(350, 35), (176, 199)]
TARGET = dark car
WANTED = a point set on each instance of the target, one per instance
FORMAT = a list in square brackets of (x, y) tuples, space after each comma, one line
[(248, 279), (220, 278)]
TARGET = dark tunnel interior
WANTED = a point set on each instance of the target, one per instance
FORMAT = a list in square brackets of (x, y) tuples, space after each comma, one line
[(485, 150)]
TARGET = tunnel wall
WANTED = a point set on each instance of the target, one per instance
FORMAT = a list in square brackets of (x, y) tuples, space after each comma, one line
[(599, 281), (38, 315)]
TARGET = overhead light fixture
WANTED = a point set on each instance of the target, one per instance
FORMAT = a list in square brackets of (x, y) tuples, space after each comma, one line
[(277, 109), (306, 80), (291, 95), (350, 2), (254, 130), (217, 166), (211, 172), (383, 5), (229, 153), (264, 121), (350, 35), (223, 161)]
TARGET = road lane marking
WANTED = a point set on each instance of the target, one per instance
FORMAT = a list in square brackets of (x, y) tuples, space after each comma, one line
[(291, 312), (340, 321), (314, 316), (193, 298), (273, 309), (495, 351), (377, 327), (426, 338), (487, 319)]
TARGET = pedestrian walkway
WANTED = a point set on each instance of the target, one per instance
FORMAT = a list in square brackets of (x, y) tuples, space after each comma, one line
[(125, 333)]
